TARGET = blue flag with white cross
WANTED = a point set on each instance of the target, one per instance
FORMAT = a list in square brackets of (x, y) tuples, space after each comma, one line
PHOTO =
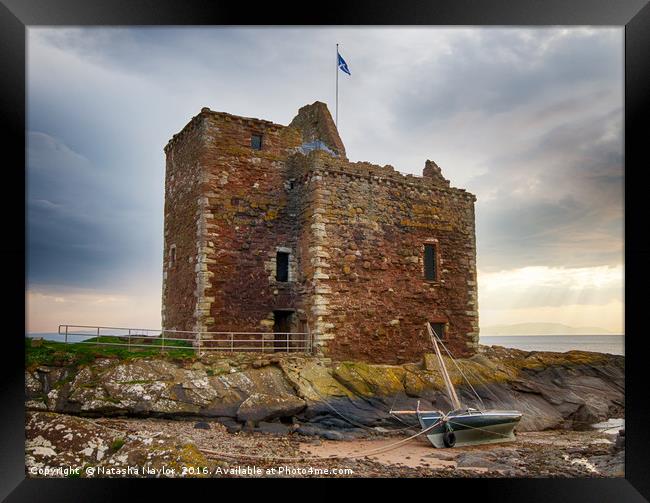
[(343, 66)]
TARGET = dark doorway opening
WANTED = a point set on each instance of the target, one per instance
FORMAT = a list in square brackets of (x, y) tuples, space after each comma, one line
[(282, 329)]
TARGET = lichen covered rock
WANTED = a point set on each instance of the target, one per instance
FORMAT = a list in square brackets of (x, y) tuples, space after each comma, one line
[(57, 441), (553, 390)]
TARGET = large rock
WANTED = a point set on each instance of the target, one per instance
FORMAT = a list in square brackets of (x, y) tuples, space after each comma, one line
[(313, 380), (152, 386), (369, 380), (263, 407)]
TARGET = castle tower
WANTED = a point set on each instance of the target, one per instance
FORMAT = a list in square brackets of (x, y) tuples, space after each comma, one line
[(270, 228)]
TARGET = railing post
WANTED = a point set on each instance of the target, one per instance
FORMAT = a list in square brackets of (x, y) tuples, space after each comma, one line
[(232, 342), (199, 346), (309, 341), (129, 340), (287, 336), (162, 349), (66, 334)]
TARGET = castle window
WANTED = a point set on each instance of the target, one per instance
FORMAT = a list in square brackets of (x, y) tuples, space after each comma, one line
[(430, 271), (282, 267), (172, 256), (256, 141)]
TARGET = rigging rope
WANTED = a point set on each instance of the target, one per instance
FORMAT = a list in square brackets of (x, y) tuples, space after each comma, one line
[(459, 370), (486, 385), (351, 421), (477, 377), (395, 416)]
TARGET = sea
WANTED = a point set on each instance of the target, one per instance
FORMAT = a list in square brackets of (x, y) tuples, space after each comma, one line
[(54, 336), (612, 344)]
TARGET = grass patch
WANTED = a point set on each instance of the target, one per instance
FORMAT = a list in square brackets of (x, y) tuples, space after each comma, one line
[(117, 444), (84, 353)]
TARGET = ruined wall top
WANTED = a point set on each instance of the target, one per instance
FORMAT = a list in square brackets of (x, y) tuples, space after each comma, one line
[(316, 123), (318, 161), (433, 172)]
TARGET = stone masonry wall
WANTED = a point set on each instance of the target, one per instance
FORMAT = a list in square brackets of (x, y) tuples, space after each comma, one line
[(182, 194), (370, 297)]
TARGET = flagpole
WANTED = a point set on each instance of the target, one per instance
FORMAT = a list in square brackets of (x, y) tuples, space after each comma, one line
[(336, 123)]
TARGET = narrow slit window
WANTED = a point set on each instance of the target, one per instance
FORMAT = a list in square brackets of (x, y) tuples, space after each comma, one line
[(430, 262), (282, 267), (256, 141), (172, 256)]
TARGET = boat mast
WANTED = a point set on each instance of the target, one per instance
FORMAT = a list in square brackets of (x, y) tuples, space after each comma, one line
[(445, 375)]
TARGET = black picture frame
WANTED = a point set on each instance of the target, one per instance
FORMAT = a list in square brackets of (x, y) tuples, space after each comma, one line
[(634, 15)]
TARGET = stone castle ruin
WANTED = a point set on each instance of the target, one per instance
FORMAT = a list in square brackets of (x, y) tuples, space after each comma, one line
[(270, 228)]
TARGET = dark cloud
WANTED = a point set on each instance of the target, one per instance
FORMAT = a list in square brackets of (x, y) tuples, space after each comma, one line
[(81, 228)]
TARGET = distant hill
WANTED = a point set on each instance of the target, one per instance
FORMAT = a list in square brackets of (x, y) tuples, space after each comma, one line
[(542, 329)]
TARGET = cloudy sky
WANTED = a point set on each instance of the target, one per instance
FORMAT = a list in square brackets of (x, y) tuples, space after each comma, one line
[(529, 120)]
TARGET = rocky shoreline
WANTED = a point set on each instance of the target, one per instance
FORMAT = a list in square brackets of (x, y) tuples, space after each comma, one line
[(315, 397), (202, 416)]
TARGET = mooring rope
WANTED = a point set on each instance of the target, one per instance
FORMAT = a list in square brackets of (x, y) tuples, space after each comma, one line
[(378, 450)]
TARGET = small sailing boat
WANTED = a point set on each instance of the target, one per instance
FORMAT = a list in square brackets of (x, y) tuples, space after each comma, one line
[(463, 425)]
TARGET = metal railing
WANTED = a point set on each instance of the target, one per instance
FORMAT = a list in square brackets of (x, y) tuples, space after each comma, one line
[(287, 342)]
